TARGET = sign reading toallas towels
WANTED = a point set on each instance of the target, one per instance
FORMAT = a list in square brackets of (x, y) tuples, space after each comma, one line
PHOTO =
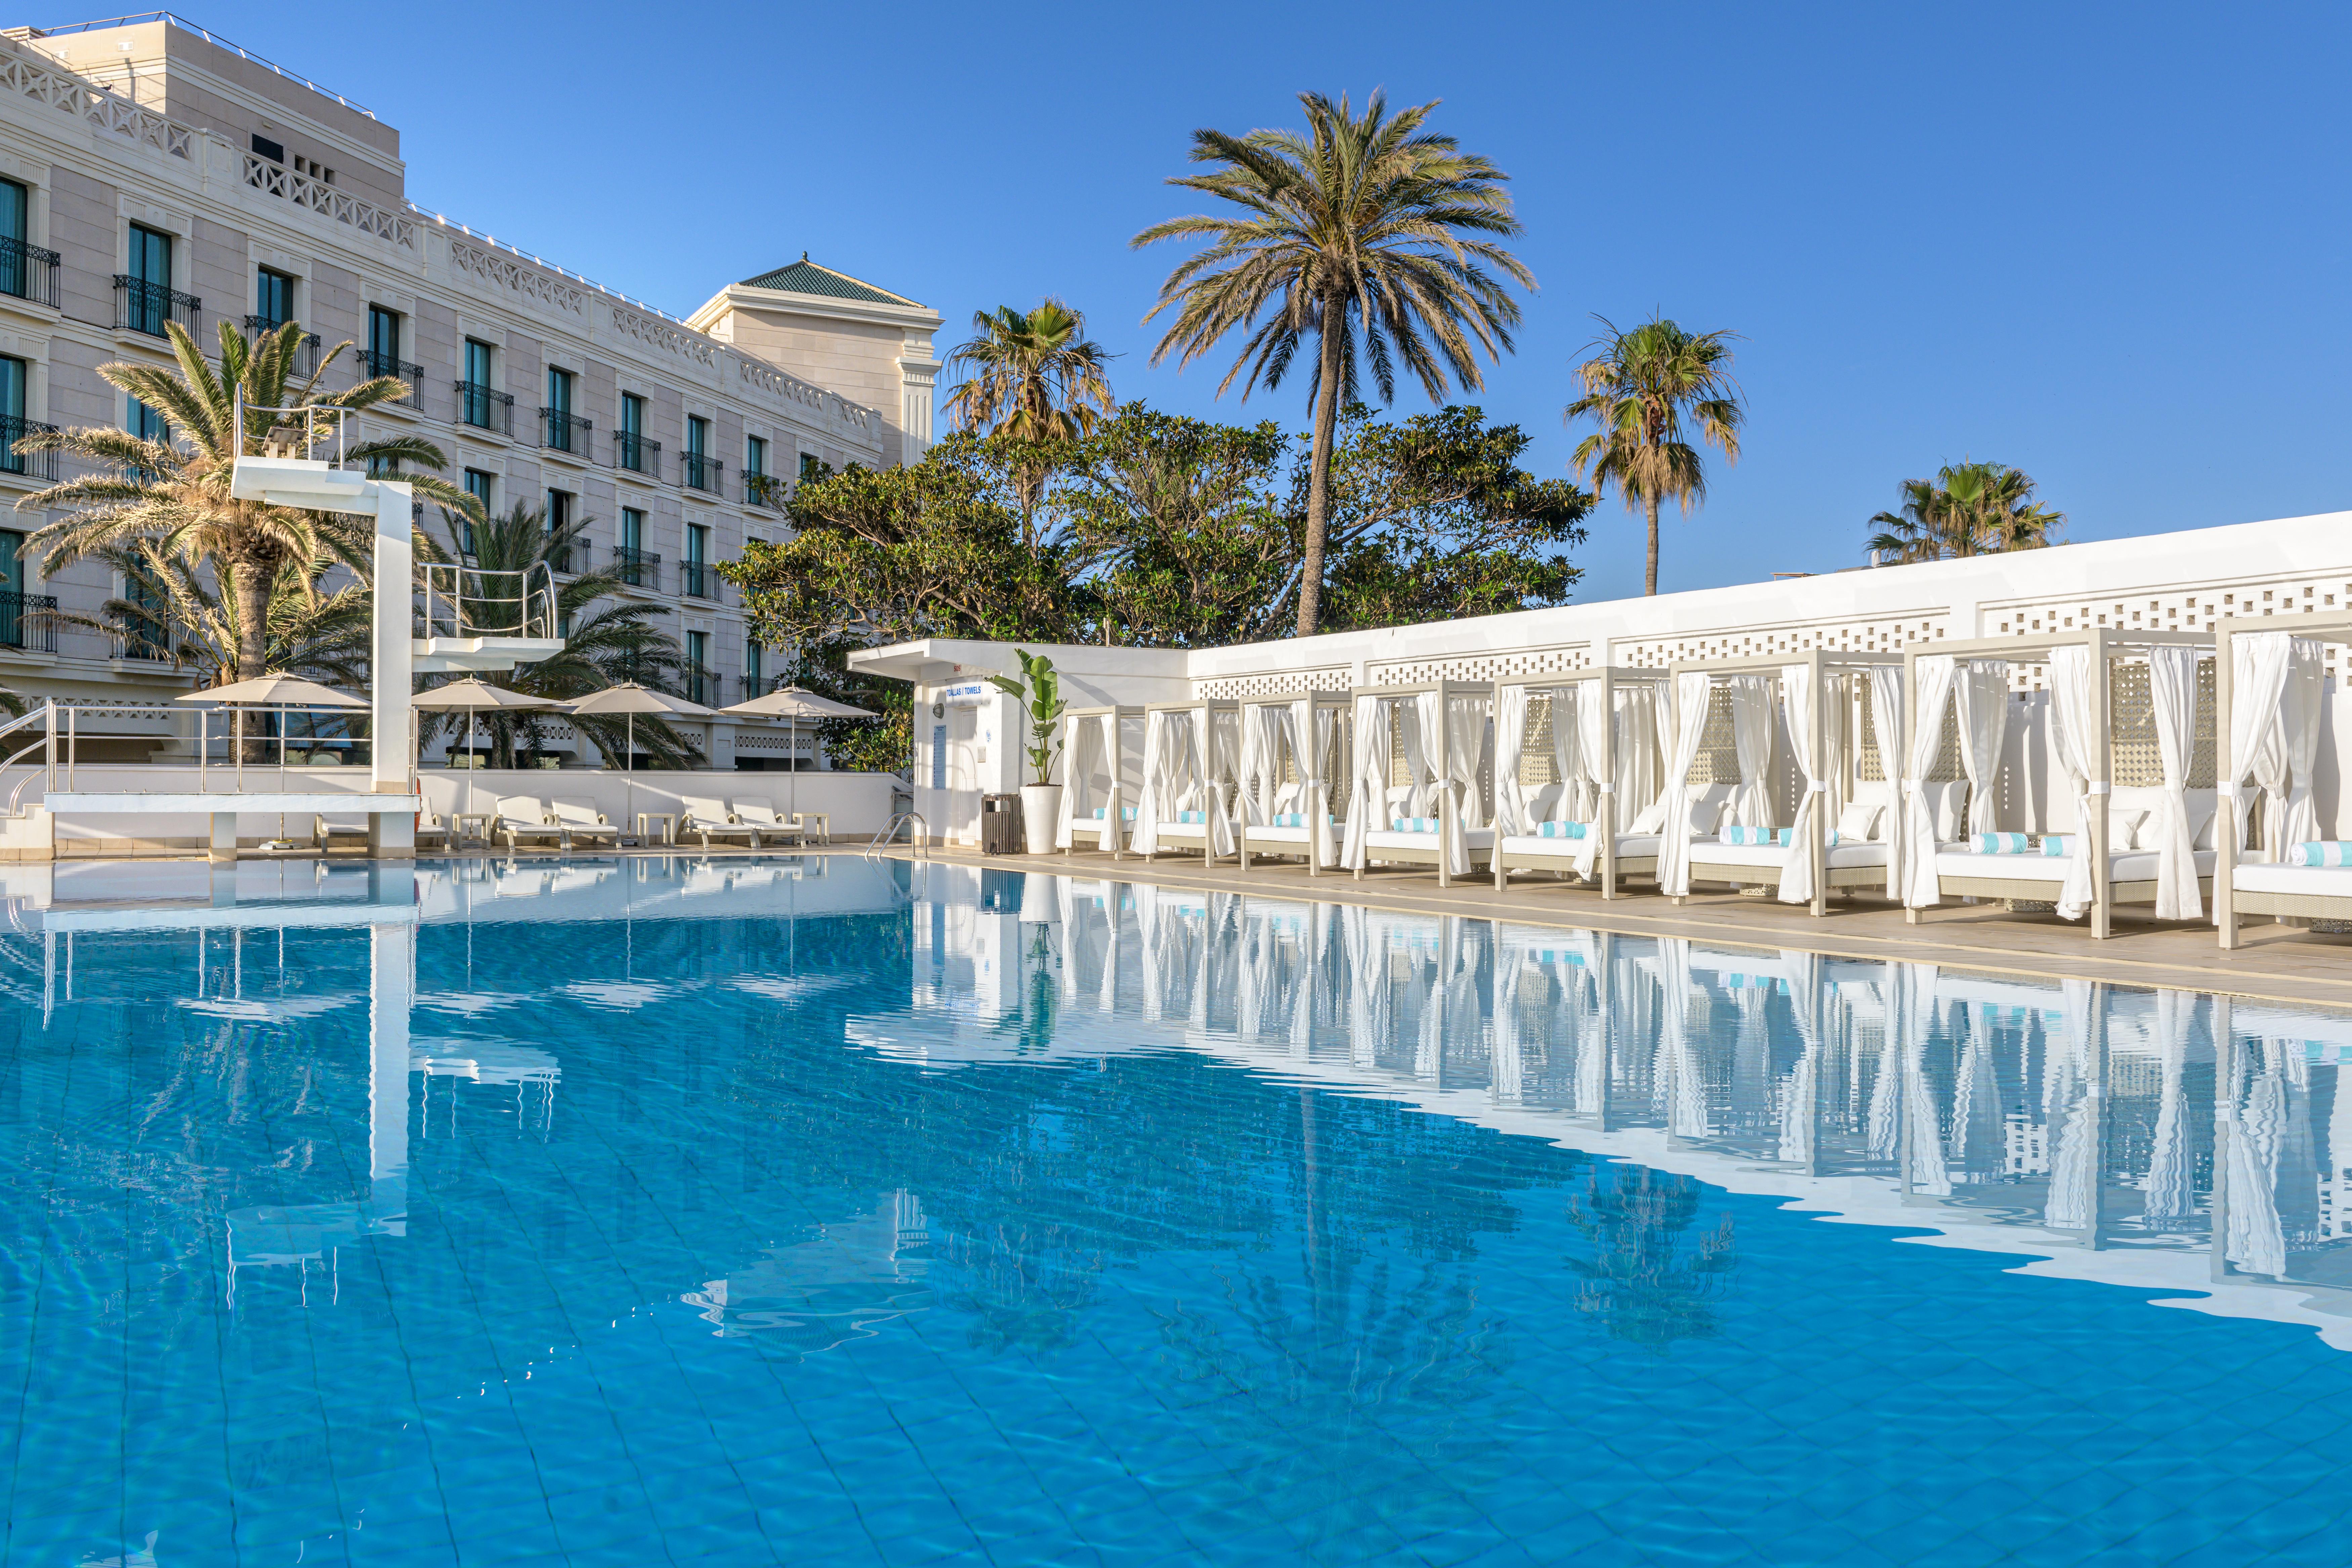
[(966, 694)]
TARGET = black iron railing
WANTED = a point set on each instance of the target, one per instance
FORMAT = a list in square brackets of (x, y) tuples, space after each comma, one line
[(24, 623), (637, 568), (306, 348), (634, 453), (484, 408), (702, 472), (143, 307), (561, 430), (40, 466), (373, 364), (701, 685), (697, 580), (763, 489), (756, 685), (28, 272)]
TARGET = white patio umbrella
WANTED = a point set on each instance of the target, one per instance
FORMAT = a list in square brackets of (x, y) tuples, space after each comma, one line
[(474, 695), (796, 703), (630, 698), (277, 690)]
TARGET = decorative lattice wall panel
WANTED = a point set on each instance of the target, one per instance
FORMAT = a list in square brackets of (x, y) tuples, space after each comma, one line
[(1890, 634), (2192, 609), (1274, 683), (2131, 756), (1480, 667)]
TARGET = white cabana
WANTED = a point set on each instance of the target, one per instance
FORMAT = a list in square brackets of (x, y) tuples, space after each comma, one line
[(1290, 746), (1101, 777), (2271, 697), (1438, 815), (1191, 757), (2149, 843), (1603, 723)]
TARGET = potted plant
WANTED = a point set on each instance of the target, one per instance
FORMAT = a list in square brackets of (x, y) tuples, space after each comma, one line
[(1039, 692)]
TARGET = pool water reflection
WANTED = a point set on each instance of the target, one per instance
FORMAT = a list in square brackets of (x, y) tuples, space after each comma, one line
[(826, 1210)]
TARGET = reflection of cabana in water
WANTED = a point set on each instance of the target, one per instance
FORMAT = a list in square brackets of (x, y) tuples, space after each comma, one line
[(1436, 733), (1725, 832), (1291, 748), (1102, 778), (2166, 829), (1602, 725), (2270, 693), (1191, 757)]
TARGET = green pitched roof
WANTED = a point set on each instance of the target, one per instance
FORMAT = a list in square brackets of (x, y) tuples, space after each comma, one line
[(805, 276)]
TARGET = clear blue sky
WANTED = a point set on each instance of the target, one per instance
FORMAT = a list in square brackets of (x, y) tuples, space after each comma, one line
[(2106, 244)]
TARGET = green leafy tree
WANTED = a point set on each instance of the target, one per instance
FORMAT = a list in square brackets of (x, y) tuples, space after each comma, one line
[(1034, 377), (174, 611), (175, 494), (607, 639), (1968, 509), (1361, 226), (1640, 386)]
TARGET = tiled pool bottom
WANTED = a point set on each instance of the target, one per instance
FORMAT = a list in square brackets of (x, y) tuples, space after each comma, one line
[(704, 1218)]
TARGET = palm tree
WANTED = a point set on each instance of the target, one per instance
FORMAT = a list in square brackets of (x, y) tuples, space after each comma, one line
[(1035, 378), (1968, 508), (172, 612), (606, 639), (174, 492), (1639, 388), (1361, 224)]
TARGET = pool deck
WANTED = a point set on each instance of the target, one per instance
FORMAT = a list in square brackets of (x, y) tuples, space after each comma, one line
[(2273, 963)]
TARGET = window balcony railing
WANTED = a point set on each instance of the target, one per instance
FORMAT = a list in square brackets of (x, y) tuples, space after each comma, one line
[(571, 558), (701, 685), (139, 646), (634, 453), (698, 579), (561, 430), (637, 568), (25, 621), (42, 466), (372, 364), (756, 685), (143, 307), (306, 348), (702, 473), (28, 272), (485, 409), (764, 489)]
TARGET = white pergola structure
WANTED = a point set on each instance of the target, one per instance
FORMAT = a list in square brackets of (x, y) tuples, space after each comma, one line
[(1596, 704), (1101, 759), (1444, 823), (1192, 756), (2269, 690), (1286, 795)]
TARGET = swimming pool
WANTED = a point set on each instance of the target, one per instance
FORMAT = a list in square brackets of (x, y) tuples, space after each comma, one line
[(823, 1210)]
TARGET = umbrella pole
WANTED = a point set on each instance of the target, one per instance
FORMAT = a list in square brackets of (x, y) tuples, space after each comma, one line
[(629, 777)]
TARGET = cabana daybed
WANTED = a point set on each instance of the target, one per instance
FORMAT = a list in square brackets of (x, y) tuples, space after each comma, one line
[(1286, 802), (1438, 816), (1604, 721), (1191, 754), (2168, 858), (2270, 688), (1100, 775)]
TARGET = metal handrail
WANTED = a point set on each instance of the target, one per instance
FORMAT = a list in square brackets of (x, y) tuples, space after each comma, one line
[(890, 832), (447, 602), (313, 415)]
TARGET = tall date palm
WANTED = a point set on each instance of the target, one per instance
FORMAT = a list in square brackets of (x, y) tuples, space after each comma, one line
[(1036, 377), (1640, 386), (1360, 226)]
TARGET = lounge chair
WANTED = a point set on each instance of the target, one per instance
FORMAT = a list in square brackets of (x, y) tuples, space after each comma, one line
[(581, 819), (711, 820), (769, 827), (324, 835), (432, 825), (521, 816)]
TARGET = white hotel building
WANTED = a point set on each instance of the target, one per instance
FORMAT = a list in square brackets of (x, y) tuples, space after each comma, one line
[(149, 173)]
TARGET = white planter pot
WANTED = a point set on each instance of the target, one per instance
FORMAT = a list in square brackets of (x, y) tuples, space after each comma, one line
[(1041, 812)]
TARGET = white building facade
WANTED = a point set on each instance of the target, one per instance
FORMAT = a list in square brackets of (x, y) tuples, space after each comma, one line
[(152, 173)]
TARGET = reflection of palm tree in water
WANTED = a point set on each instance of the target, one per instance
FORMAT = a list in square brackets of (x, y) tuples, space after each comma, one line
[(1639, 1282), (1345, 1399)]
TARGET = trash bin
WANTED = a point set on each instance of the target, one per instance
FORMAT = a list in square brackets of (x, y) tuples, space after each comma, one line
[(999, 825)]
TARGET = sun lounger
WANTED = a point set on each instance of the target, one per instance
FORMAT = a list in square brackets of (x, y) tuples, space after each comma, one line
[(581, 819), (325, 835), (708, 819), (521, 816), (767, 826)]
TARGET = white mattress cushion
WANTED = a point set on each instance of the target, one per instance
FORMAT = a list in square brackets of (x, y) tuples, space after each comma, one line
[(2137, 865), (1476, 838), (1776, 855), (2309, 881)]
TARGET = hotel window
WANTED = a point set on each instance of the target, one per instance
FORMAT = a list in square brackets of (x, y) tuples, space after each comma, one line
[(13, 428), (632, 450), (478, 484), (558, 517), (756, 490), (383, 341), (754, 663), (16, 254), (630, 561), (701, 467), (147, 424), (147, 285), (559, 422), (697, 667), (475, 398), (150, 633), (696, 576), (273, 300)]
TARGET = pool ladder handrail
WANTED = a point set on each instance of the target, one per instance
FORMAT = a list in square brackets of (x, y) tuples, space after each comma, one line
[(45, 715), (890, 832)]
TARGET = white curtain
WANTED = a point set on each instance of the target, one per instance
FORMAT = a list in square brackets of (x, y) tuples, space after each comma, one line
[(2071, 670), (1313, 722), (1594, 721), (2172, 688), (1634, 766), (1163, 747), (1424, 726), (2258, 681), (1886, 720), (1465, 738), (1577, 770), (1981, 690), (1923, 1131), (1510, 739), (1691, 692), (1751, 740), (1079, 771), (1934, 677), (1799, 708), (1220, 742), (2305, 691), (1368, 792), (1260, 746)]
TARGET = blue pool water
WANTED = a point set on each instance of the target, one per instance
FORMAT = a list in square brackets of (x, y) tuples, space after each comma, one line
[(833, 1211)]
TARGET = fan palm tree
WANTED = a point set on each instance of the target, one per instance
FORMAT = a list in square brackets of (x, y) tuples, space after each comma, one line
[(1968, 508), (1360, 225), (1036, 377), (174, 492), (606, 639), (1639, 388)]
